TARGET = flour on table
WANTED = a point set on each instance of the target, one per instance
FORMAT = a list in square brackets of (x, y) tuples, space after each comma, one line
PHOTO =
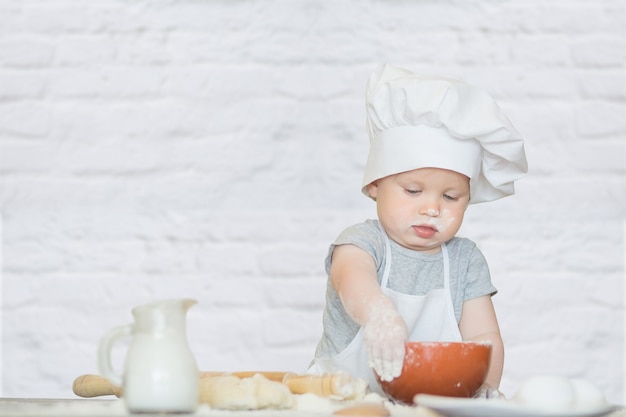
[(314, 404)]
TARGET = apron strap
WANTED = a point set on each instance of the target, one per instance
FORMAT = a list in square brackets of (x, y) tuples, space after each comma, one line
[(385, 279), (446, 267), (446, 282), (386, 273)]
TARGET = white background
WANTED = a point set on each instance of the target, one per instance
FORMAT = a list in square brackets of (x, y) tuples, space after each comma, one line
[(213, 149)]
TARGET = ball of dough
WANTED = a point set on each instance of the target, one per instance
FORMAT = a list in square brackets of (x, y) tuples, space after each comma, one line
[(550, 393)]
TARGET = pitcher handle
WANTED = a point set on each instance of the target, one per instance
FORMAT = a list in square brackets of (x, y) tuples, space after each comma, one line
[(104, 352)]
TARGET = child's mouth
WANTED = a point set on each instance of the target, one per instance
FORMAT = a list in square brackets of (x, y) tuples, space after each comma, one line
[(425, 231)]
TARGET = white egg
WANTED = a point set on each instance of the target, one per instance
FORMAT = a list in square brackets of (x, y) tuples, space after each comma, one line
[(588, 396), (550, 393)]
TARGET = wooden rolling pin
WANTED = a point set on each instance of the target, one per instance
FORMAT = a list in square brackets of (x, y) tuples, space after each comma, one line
[(328, 385)]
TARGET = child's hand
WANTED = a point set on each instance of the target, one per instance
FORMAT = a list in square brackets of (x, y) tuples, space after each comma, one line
[(385, 336), (488, 392), (354, 277)]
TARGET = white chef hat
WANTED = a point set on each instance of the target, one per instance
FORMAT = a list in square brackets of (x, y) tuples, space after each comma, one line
[(417, 122)]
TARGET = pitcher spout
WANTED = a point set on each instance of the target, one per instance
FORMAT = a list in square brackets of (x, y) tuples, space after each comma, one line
[(188, 303), (162, 315), (182, 304)]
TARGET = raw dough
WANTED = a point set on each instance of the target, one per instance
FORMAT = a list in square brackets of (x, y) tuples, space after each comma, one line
[(233, 393), (353, 389)]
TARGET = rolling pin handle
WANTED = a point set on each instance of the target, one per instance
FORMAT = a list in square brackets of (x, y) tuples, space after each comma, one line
[(89, 386)]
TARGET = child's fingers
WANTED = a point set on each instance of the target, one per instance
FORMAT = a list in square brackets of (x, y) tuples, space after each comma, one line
[(373, 357), (385, 335), (398, 359), (387, 360), (376, 361), (393, 362)]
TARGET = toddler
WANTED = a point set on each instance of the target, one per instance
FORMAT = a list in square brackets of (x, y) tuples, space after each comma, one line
[(436, 145)]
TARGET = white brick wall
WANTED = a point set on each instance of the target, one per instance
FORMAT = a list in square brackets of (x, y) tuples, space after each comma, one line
[(213, 149)]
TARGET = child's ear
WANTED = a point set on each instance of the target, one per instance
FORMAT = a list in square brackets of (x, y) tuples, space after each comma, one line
[(372, 190)]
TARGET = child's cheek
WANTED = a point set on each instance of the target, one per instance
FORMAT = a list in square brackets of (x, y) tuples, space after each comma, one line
[(446, 220)]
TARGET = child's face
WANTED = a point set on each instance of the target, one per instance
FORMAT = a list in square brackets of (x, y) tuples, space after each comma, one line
[(423, 208)]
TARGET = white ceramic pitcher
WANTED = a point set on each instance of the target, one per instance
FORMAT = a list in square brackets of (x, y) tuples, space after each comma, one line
[(160, 371)]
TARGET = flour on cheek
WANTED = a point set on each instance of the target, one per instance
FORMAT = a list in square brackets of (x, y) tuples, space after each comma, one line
[(442, 224), (444, 221)]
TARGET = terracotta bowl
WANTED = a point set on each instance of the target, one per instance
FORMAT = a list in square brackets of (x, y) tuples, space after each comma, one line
[(451, 369)]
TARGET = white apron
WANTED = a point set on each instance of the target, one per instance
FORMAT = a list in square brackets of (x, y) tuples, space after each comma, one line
[(428, 317)]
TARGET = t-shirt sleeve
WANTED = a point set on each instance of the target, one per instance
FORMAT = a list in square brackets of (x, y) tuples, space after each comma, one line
[(366, 236), (478, 279)]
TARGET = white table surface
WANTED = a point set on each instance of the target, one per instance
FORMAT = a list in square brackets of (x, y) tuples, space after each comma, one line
[(40, 407)]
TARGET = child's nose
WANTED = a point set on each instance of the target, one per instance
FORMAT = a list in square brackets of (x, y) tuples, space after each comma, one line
[(430, 209), (432, 212)]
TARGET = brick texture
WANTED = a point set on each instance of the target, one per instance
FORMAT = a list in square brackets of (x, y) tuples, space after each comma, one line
[(213, 149)]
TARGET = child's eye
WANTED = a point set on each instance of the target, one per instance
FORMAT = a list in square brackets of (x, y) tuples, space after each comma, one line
[(450, 197), (412, 191)]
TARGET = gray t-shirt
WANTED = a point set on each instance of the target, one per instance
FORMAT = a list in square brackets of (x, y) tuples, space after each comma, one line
[(412, 272)]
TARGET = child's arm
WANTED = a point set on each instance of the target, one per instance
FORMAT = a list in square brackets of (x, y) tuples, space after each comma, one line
[(479, 323), (353, 276)]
